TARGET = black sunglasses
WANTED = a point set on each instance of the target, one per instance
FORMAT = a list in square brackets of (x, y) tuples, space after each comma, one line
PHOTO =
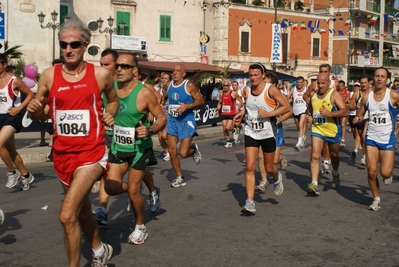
[(73, 45), (123, 66)]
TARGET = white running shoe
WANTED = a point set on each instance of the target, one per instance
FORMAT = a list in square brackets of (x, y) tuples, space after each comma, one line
[(262, 185), (96, 187), (102, 260), (283, 162), (228, 144), (13, 179), (197, 157), (25, 182), (167, 157), (249, 207), (178, 182), (278, 186), (326, 166), (138, 236), (388, 181), (376, 205), (363, 160)]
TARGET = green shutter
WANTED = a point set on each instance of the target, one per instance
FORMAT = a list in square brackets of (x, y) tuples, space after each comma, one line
[(165, 28), (125, 16), (63, 13)]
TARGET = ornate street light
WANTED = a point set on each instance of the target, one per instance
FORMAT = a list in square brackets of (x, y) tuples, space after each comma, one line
[(51, 25), (110, 30)]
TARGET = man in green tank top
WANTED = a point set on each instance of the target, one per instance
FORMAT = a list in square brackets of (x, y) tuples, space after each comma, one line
[(131, 147)]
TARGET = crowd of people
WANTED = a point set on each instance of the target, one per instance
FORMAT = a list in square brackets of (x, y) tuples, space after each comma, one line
[(104, 131)]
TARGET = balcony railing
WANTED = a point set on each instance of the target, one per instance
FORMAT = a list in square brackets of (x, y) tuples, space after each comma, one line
[(366, 34), (366, 60), (373, 7), (391, 62)]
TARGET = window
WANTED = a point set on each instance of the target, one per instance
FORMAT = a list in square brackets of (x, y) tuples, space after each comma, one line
[(244, 42), (316, 47), (125, 16), (165, 28), (63, 13)]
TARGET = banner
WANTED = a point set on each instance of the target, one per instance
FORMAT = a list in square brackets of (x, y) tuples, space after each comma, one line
[(206, 114), (276, 53)]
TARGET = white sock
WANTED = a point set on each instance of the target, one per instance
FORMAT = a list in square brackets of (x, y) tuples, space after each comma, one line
[(335, 173), (314, 182), (139, 226), (99, 251), (377, 198)]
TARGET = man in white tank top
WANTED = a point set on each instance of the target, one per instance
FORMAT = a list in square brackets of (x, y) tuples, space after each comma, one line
[(299, 108), (382, 105)]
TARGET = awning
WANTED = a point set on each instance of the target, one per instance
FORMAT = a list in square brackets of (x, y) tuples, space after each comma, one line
[(190, 66)]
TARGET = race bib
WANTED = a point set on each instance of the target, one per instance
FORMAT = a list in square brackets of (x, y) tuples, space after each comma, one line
[(299, 101), (257, 124), (319, 119), (73, 123), (124, 135), (379, 118), (226, 109), (172, 110)]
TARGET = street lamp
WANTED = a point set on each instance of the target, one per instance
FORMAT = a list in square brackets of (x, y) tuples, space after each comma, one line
[(109, 29), (51, 25)]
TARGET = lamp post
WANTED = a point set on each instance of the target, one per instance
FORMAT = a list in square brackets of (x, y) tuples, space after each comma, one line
[(51, 25), (109, 29)]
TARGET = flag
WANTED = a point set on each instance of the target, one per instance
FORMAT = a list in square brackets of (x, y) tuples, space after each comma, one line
[(303, 27), (310, 23), (395, 16), (340, 32), (348, 21), (331, 30), (327, 20), (383, 35), (334, 19), (341, 18), (284, 25), (295, 25), (394, 36), (374, 19), (311, 29), (316, 24), (367, 33), (322, 30), (385, 17)]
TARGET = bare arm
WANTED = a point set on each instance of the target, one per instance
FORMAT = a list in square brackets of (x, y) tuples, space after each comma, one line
[(360, 113), (21, 87), (352, 102), (309, 93), (37, 104), (196, 94), (282, 101), (285, 116), (106, 84), (339, 102)]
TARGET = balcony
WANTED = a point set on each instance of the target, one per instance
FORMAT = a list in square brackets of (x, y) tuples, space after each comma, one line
[(369, 7), (391, 62), (365, 34), (362, 61)]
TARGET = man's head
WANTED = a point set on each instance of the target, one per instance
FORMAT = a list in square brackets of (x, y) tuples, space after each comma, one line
[(271, 77), (226, 85), (341, 85), (299, 82), (323, 82), (395, 84), (108, 60), (381, 76), (325, 68), (3, 63), (125, 67), (364, 82), (74, 37), (10, 69), (179, 72), (166, 77)]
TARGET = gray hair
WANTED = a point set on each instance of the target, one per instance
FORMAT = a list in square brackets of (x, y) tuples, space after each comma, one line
[(77, 25)]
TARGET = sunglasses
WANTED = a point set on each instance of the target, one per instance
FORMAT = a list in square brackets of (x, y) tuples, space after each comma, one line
[(123, 66), (226, 85), (73, 45)]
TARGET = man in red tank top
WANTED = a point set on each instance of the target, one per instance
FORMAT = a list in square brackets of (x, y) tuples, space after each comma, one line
[(73, 92), (227, 104)]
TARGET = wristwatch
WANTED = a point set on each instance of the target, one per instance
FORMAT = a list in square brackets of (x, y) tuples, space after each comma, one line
[(150, 131), (191, 105)]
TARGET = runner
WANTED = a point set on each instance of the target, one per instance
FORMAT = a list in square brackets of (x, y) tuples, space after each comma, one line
[(382, 105), (73, 92)]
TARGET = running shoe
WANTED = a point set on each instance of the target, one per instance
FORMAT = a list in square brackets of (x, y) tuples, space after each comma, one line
[(249, 208), (262, 185), (335, 182), (197, 154), (129, 206), (25, 182), (138, 236), (278, 186), (283, 162), (388, 181), (167, 157), (342, 143), (101, 217), (236, 141), (363, 160), (178, 182), (228, 144), (155, 201), (303, 141), (13, 179), (354, 154), (2, 218), (313, 189), (96, 187), (326, 166), (298, 146), (376, 205), (102, 260)]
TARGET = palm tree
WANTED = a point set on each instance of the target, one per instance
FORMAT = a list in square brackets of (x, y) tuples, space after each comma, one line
[(12, 52)]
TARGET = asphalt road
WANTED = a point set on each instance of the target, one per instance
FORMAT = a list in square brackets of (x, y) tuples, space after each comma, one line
[(201, 225)]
